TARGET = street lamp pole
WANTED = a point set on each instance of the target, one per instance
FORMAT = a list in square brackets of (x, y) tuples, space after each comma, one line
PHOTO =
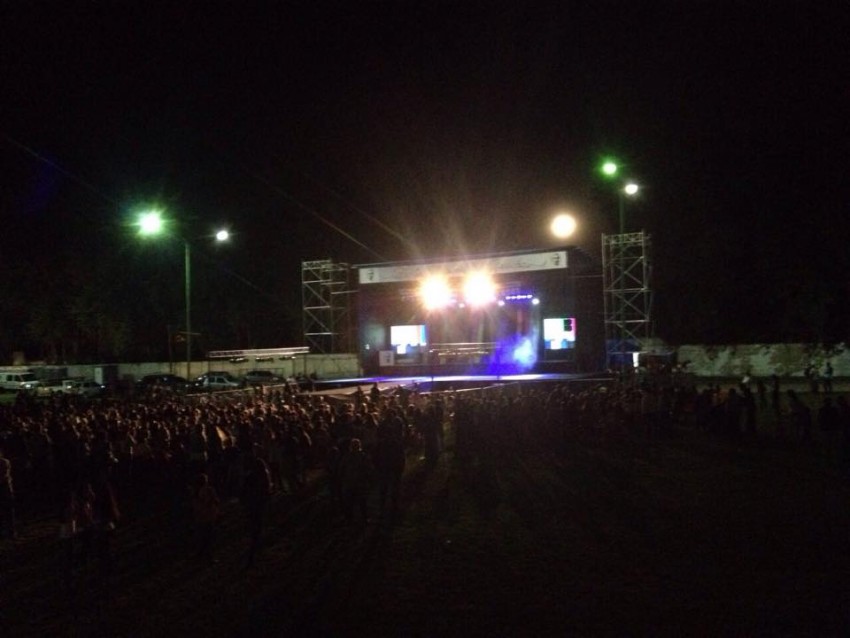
[(151, 223), (616, 286), (621, 198), (187, 273)]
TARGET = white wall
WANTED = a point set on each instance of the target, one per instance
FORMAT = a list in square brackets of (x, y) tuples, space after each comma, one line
[(785, 360), (331, 366)]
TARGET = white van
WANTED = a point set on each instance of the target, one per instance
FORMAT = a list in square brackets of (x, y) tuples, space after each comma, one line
[(18, 380)]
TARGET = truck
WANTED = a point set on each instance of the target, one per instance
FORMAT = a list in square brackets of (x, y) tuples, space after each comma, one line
[(17, 379)]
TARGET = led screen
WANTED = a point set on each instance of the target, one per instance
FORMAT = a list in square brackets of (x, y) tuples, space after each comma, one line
[(404, 338), (559, 333)]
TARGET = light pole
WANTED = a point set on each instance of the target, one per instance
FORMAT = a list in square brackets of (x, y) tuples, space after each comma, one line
[(151, 223), (187, 281), (618, 259), (610, 169), (630, 190)]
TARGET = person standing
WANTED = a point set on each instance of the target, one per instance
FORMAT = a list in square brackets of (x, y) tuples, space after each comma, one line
[(355, 476), (7, 499), (776, 403), (827, 378), (256, 492), (390, 460), (207, 508)]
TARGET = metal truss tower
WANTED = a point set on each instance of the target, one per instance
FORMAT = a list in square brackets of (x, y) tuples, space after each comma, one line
[(626, 277), (326, 306)]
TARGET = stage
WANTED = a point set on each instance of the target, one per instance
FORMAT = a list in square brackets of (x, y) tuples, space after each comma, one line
[(346, 388)]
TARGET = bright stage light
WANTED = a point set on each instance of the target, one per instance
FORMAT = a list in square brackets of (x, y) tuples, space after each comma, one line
[(563, 226), (434, 292), (479, 289)]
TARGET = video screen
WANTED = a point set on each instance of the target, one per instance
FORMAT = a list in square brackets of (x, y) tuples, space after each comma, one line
[(559, 333), (405, 339)]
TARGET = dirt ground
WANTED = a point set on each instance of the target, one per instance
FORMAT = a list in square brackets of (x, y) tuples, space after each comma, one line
[(613, 534)]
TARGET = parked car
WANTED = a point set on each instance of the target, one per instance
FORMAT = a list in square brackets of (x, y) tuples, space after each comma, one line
[(88, 388), (262, 377), (213, 381), (18, 381), (48, 388), (168, 382)]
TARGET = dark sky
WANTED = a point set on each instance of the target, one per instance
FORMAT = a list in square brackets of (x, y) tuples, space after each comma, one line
[(397, 130)]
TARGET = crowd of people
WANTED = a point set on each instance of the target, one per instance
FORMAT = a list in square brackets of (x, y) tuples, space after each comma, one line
[(92, 461)]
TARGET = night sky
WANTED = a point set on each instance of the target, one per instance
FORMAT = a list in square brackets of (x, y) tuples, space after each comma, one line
[(402, 130)]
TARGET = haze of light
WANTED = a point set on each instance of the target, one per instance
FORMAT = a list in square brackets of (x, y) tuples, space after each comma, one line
[(563, 226)]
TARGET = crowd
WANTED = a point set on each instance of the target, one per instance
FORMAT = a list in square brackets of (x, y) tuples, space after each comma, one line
[(92, 461)]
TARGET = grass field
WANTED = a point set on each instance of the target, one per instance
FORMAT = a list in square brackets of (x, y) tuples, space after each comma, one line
[(611, 535)]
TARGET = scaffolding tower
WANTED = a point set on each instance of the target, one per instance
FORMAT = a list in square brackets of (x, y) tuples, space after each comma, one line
[(326, 306), (627, 274)]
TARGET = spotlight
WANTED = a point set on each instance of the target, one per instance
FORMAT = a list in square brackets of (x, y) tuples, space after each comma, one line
[(479, 289), (434, 292)]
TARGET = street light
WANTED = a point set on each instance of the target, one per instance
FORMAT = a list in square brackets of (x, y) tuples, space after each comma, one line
[(563, 225), (151, 223), (610, 169), (629, 190)]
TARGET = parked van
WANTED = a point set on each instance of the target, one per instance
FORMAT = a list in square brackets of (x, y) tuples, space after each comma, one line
[(17, 380)]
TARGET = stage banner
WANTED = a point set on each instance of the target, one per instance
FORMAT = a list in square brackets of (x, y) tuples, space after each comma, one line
[(549, 260), (386, 358)]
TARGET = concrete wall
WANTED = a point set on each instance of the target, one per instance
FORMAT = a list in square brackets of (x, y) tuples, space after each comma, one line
[(332, 366), (785, 360)]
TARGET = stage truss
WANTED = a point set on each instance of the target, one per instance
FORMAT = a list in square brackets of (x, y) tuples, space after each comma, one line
[(627, 273), (326, 306)]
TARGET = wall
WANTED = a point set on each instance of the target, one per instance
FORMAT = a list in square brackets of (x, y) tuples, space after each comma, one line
[(331, 366), (785, 360)]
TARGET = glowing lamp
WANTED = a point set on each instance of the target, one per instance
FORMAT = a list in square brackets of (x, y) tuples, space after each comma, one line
[(434, 292), (609, 168), (151, 222), (563, 226), (479, 289)]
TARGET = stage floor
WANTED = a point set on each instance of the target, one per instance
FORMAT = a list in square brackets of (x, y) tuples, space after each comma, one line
[(348, 386)]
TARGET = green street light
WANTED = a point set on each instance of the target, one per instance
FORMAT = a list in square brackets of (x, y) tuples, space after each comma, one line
[(609, 168), (151, 223)]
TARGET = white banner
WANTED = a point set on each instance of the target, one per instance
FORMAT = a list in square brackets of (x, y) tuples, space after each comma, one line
[(550, 260)]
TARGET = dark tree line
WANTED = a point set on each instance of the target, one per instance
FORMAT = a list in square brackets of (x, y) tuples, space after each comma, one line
[(82, 303)]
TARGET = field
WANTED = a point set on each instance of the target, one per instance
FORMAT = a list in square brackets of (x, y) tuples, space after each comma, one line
[(689, 534)]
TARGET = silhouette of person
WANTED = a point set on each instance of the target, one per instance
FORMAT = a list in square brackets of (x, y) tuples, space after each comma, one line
[(256, 492)]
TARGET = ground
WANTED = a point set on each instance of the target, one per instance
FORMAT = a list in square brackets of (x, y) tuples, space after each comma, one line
[(688, 534)]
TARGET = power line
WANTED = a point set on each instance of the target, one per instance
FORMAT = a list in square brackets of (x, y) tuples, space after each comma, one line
[(311, 211), (357, 209), (73, 177)]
